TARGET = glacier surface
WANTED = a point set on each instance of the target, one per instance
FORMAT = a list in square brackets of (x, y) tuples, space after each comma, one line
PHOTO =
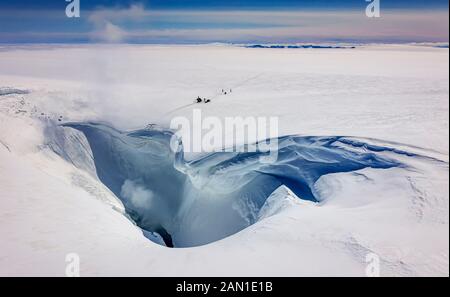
[(53, 201)]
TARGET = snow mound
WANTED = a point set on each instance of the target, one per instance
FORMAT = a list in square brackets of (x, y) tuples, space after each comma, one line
[(281, 199)]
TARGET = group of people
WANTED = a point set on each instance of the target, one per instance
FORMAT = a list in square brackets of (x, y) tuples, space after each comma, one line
[(205, 100), (200, 100)]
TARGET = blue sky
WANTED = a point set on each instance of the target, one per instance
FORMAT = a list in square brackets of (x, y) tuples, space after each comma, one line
[(203, 21), (223, 4)]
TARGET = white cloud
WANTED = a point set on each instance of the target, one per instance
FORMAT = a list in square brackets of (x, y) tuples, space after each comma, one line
[(270, 26), (136, 24), (108, 32), (103, 19), (134, 12)]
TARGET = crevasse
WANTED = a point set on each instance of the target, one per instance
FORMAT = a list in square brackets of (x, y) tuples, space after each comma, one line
[(192, 203)]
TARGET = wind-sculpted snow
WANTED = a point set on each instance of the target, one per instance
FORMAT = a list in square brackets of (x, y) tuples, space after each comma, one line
[(191, 203), (12, 91)]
